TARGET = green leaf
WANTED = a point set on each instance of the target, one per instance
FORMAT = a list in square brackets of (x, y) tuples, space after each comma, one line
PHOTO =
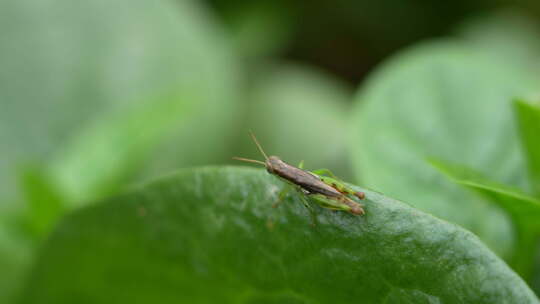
[(68, 68), (258, 28), (210, 235), (507, 34), (15, 259), (524, 210), (449, 101), (528, 116), (103, 156), (522, 205), (97, 92), (45, 203)]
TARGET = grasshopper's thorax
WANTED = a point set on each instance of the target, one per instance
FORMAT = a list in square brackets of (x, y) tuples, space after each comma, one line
[(274, 165)]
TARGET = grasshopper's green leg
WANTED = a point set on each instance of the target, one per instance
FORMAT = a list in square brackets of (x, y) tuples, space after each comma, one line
[(281, 195), (306, 204), (342, 203), (324, 171), (339, 185), (301, 164)]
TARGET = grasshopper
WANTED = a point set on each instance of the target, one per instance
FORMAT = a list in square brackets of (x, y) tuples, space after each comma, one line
[(320, 186)]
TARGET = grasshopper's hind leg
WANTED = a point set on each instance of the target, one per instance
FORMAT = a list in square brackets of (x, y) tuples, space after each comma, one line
[(332, 180), (324, 171), (342, 187), (340, 203)]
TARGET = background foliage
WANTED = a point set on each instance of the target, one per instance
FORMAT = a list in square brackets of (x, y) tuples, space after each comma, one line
[(434, 104)]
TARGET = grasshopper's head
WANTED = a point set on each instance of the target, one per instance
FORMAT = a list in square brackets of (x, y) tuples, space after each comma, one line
[(273, 164)]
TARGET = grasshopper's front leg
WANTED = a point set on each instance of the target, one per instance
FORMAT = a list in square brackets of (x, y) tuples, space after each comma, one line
[(286, 189), (306, 204), (281, 195)]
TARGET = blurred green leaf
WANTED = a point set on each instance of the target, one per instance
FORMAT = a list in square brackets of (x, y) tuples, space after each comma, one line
[(67, 67), (259, 28), (299, 113), (509, 35), (45, 203), (528, 116), (449, 101), (524, 210), (15, 257), (210, 235), (94, 93), (101, 158), (527, 207)]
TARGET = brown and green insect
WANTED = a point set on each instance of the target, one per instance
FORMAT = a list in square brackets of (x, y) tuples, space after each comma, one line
[(319, 186)]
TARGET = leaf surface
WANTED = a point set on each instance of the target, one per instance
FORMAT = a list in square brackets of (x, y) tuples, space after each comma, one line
[(522, 208), (528, 117), (210, 235)]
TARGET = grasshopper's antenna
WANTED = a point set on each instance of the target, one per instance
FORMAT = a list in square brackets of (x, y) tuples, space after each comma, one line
[(250, 160), (258, 145)]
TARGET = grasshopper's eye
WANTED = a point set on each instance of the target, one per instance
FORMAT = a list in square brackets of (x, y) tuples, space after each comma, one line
[(269, 169)]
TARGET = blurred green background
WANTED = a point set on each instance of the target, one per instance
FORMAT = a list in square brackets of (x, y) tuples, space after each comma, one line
[(97, 96)]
